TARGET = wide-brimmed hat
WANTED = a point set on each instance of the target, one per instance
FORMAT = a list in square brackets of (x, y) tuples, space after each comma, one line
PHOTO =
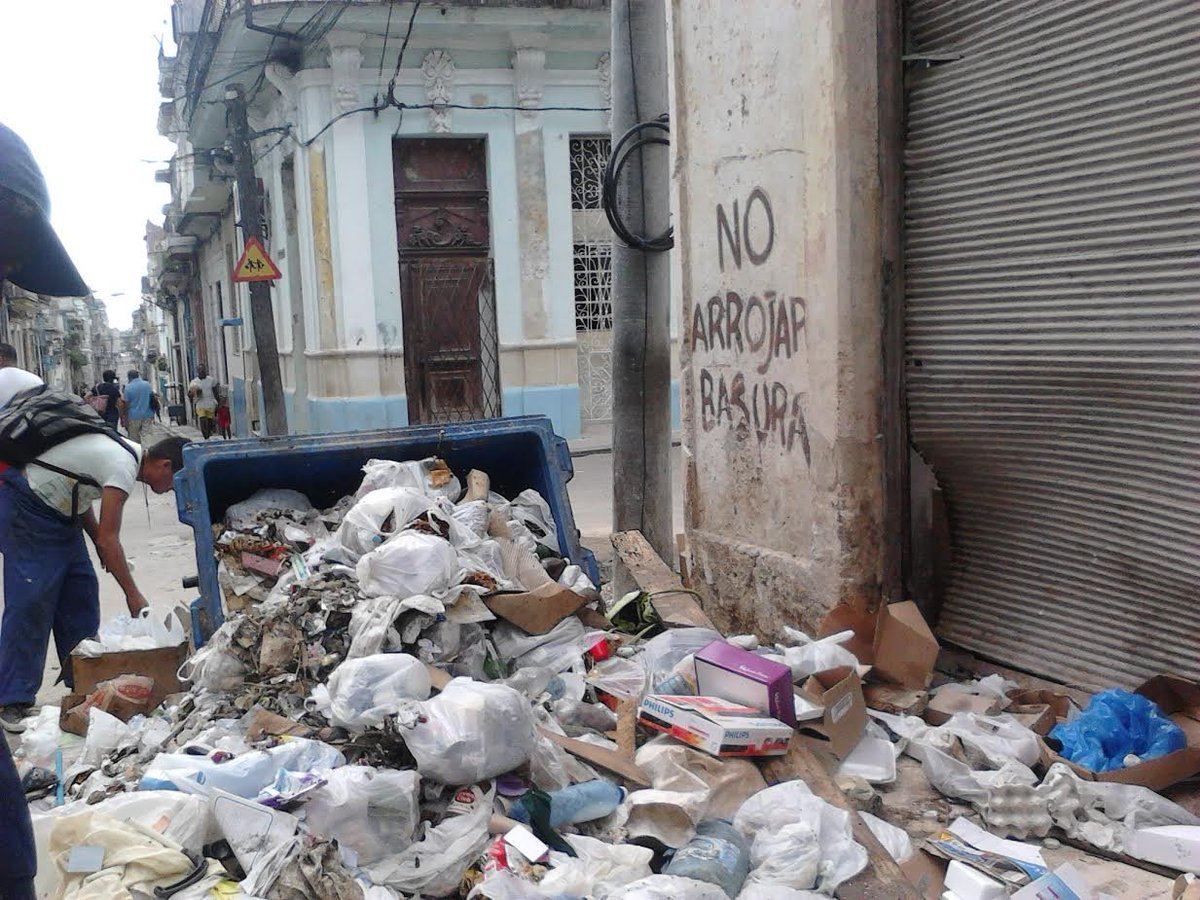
[(47, 269)]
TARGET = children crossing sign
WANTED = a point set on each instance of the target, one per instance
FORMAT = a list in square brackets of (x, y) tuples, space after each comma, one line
[(255, 264)]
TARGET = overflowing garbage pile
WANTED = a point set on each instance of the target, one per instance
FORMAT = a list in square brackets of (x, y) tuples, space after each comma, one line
[(416, 694)]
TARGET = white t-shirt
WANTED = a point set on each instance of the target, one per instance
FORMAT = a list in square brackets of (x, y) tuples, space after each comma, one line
[(13, 381), (206, 394), (94, 455)]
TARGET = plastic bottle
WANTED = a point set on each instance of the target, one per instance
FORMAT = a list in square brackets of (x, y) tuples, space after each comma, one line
[(584, 802), (595, 716), (717, 854)]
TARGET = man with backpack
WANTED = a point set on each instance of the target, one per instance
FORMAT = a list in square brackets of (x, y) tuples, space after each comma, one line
[(31, 257)]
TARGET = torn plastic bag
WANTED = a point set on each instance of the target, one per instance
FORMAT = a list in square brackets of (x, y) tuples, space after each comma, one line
[(558, 649), (790, 803), (247, 514), (214, 667), (372, 626), (999, 738), (431, 476), (363, 692), (374, 812), (407, 564), (378, 515), (434, 865), (469, 732), (819, 656), (996, 687), (244, 775), (667, 887), (1114, 725), (597, 867), (574, 579), (533, 512), (662, 653), (504, 885), (789, 855), (104, 733)]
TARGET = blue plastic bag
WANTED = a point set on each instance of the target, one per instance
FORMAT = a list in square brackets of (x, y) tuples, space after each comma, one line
[(1115, 724)]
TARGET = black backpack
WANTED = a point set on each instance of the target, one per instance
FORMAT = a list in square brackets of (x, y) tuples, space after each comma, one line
[(39, 418)]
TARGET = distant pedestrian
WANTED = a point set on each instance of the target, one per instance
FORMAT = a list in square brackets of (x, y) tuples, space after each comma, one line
[(223, 421), (138, 408), (203, 391), (108, 398), (33, 258)]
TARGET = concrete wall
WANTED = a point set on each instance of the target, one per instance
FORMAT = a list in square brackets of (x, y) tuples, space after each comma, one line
[(777, 194)]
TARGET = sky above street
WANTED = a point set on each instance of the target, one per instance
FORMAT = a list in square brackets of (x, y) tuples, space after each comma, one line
[(79, 82)]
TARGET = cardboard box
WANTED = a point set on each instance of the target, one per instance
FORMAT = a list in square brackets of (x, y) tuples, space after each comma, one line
[(841, 726), (715, 725), (536, 611), (1179, 699), (905, 649), (723, 670), (161, 664), (1039, 711)]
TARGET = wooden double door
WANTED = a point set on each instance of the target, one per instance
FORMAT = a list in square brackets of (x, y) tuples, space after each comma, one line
[(451, 355)]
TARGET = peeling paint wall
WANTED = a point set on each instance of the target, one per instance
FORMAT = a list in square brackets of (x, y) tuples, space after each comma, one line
[(777, 198)]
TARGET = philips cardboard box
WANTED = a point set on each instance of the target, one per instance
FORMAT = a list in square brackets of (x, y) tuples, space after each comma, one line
[(715, 725), (723, 670)]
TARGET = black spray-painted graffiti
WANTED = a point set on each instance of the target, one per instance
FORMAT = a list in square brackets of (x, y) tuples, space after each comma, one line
[(734, 331)]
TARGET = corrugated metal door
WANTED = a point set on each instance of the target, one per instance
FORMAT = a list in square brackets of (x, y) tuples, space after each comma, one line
[(1053, 326)]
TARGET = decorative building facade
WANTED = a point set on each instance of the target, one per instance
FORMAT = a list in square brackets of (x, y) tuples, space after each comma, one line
[(443, 257)]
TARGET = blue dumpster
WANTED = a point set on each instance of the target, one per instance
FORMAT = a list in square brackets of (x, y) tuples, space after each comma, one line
[(517, 453)]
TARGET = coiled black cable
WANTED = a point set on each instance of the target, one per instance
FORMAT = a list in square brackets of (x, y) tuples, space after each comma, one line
[(632, 141)]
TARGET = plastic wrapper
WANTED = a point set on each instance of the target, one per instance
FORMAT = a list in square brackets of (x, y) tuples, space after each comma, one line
[(471, 731), (429, 476), (149, 631), (434, 865), (764, 817), (364, 692), (624, 678), (407, 564), (663, 652), (247, 514), (1115, 724), (374, 812)]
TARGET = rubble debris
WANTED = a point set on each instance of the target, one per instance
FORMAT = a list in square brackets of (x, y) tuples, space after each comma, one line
[(415, 693)]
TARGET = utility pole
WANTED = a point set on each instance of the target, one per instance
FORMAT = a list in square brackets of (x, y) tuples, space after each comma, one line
[(641, 284), (261, 315)]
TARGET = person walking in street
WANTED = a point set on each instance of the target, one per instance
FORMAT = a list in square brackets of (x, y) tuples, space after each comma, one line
[(33, 258), (203, 391), (223, 420), (50, 586), (110, 391), (139, 410)]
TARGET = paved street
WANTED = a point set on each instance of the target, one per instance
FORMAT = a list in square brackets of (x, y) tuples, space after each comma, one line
[(160, 548)]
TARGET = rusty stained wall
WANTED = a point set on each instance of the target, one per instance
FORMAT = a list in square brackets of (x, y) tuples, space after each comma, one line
[(777, 204)]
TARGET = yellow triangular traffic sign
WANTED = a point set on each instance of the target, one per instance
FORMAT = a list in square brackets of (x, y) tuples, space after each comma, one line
[(255, 264)]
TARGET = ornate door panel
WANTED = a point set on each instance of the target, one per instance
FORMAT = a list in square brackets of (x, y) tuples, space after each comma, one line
[(450, 343)]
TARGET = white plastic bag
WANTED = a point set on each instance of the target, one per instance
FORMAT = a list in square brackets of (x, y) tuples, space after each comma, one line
[(148, 631), (999, 738), (372, 626), (533, 512), (104, 733), (434, 865), (767, 813), (364, 692), (417, 474), (895, 840), (624, 678), (244, 775), (374, 812), (558, 649), (597, 867), (378, 514), (789, 855), (407, 564), (471, 731), (663, 652)]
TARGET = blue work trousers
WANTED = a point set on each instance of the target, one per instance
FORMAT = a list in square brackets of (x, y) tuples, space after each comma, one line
[(18, 860), (50, 587)]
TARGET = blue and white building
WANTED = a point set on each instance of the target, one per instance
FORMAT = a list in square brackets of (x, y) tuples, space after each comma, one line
[(441, 261)]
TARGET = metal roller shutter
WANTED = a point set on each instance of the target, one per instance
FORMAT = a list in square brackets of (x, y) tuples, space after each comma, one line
[(1053, 326)]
